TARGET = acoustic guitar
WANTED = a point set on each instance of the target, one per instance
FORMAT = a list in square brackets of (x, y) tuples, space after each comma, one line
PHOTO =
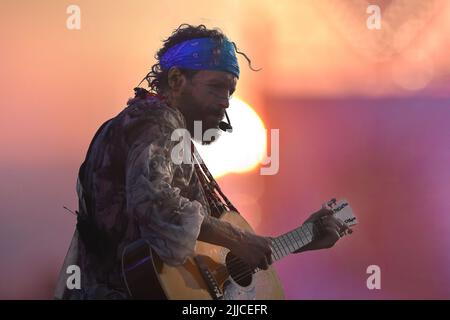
[(214, 272)]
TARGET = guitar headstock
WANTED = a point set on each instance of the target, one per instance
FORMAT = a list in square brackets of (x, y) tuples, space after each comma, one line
[(343, 211)]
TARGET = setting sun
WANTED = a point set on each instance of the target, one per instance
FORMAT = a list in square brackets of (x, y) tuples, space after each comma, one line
[(240, 150)]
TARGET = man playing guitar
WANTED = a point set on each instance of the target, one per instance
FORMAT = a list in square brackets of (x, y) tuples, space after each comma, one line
[(130, 187)]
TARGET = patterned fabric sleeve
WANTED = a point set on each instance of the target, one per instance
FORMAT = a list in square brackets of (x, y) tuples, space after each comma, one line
[(168, 220)]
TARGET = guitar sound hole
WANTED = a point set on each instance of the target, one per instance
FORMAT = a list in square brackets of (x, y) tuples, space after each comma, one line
[(239, 271)]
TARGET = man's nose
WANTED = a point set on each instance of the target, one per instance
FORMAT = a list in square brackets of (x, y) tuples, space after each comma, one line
[(224, 103)]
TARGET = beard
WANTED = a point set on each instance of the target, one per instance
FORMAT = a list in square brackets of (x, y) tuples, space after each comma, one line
[(202, 122), (204, 131)]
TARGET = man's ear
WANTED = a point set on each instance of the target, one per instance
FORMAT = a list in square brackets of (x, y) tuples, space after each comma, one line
[(175, 79)]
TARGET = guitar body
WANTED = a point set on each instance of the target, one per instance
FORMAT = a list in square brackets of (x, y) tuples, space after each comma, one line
[(214, 273)]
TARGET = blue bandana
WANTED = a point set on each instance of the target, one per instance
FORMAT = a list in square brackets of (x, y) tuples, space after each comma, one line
[(202, 54)]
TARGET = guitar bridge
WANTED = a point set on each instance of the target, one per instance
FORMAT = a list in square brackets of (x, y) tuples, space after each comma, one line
[(213, 286)]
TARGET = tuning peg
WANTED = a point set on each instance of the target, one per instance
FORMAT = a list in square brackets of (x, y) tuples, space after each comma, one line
[(331, 203)]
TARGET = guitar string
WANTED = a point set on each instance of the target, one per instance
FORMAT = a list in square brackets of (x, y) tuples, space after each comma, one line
[(235, 262), (307, 232), (242, 268), (245, 273)]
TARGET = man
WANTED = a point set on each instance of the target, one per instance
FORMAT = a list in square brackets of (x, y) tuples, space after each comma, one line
[(130, 187)]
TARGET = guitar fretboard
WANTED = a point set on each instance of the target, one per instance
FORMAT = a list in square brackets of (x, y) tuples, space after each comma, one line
[(292, 241), (296, 239)]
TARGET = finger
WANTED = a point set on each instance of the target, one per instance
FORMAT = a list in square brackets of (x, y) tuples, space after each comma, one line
[(264, 265), (326, 211), (330, 203), (321, 213), (345, 229), (342, 227), (348, 231), (269, 258), (268, 250), (324, 218), (333, 229), (333, 224), (335, 236)]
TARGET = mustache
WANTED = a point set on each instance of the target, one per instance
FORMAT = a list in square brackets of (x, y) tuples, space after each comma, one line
[(219, 113)]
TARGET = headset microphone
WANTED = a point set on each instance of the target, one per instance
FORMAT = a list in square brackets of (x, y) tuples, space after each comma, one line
[(224, 126)]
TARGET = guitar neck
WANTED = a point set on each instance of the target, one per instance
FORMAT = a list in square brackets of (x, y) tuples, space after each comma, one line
[(296, 239), (292, 241)]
